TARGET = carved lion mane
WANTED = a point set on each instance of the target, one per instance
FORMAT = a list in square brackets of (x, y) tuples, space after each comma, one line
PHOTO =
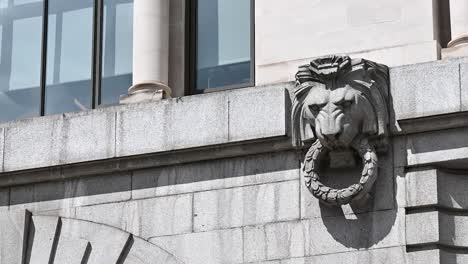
[(340, 103)]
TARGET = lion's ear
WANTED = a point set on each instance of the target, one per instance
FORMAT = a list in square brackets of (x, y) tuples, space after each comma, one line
[(307, 132), (369, 124)]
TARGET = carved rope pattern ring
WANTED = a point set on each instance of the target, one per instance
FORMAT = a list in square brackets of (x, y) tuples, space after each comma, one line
[(343, 196)]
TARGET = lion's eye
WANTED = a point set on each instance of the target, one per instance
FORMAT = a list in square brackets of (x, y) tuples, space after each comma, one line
[(345, 103), (314, 108)]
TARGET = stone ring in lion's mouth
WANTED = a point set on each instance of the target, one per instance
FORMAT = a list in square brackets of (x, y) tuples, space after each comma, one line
[(343, 196)]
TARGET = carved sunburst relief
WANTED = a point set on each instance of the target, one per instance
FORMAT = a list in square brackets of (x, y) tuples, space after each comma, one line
[(340, 104)]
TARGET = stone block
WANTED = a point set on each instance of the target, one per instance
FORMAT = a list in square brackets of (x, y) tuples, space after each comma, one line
[(424, 257), (87, 137), (4, 199), (198, 121), (257, 113), (145, 218), (413, 53), (422, 228), (400, 187), (76, 192), (43, 230), (447, 229), (143, 252), (416, 89), (255, 244), (215, 174), (221, 246), (71, 251), (421, 188), (142, 130), (250, 205), (107, 243), (32, 143), (172, 124), (350, 28), (12, 235), (464, 86), (381, 256), (327, 235), (446, 146)]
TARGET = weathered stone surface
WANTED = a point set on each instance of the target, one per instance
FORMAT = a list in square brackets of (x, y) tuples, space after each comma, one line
[(198, 121), (71, 251), (422, 188), (416, 89), (425, 257), (381, 256), (214, 175), (221, 246), (59, 140), (87, 137), (32, 143), (255, 243), (43, 230), (448, 229), (107, 243), (446, 146), (173, 124), (251, 205), (422, 228), (351, 27), (464, 86), (48, 196), (254, 113), (141, 252), (145, 218), (326, 235), (12, 227), (4, 199), (391, 56)]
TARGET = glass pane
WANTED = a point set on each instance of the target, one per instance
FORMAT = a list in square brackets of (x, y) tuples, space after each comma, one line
[(117, 53), (69, 49), (223, 43), (20, 59)]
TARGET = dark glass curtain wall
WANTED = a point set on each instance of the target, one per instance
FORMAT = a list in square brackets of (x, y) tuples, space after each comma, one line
[(77, 57)]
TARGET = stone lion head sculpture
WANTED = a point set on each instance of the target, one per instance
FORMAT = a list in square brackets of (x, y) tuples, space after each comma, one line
[(340, 103)]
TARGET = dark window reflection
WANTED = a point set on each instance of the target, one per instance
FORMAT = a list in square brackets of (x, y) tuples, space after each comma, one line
[(69, 56), (223, 43), (117, 50), (20, 58)]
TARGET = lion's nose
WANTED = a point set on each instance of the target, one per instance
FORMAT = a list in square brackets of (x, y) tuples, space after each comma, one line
[(331, 136), (331, 133)]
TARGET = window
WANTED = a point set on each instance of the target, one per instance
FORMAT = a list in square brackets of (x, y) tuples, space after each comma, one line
[(76, 57), (222, 44)]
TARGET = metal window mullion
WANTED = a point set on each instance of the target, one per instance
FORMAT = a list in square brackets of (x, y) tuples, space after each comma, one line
[(43, 81), (97, 52)]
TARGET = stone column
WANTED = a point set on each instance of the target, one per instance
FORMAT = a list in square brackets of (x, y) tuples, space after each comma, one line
[(150, 52), (458, 46)]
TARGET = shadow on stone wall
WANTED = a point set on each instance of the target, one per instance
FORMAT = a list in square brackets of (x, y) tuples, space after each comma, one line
[(363, 223), (122, 183)]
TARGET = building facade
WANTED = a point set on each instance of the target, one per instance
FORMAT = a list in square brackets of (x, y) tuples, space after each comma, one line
[(233, 131)]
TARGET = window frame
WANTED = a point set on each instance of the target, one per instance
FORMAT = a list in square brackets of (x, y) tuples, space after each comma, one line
[(191, 51), (96, 60)]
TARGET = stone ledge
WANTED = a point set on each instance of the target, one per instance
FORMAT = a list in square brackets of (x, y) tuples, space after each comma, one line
[(205, 121)]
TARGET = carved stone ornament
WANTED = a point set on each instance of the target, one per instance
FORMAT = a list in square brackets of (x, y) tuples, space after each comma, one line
[(340, 104)]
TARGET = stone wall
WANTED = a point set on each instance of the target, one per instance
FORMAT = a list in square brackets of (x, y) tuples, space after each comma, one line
[(214, 178)]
